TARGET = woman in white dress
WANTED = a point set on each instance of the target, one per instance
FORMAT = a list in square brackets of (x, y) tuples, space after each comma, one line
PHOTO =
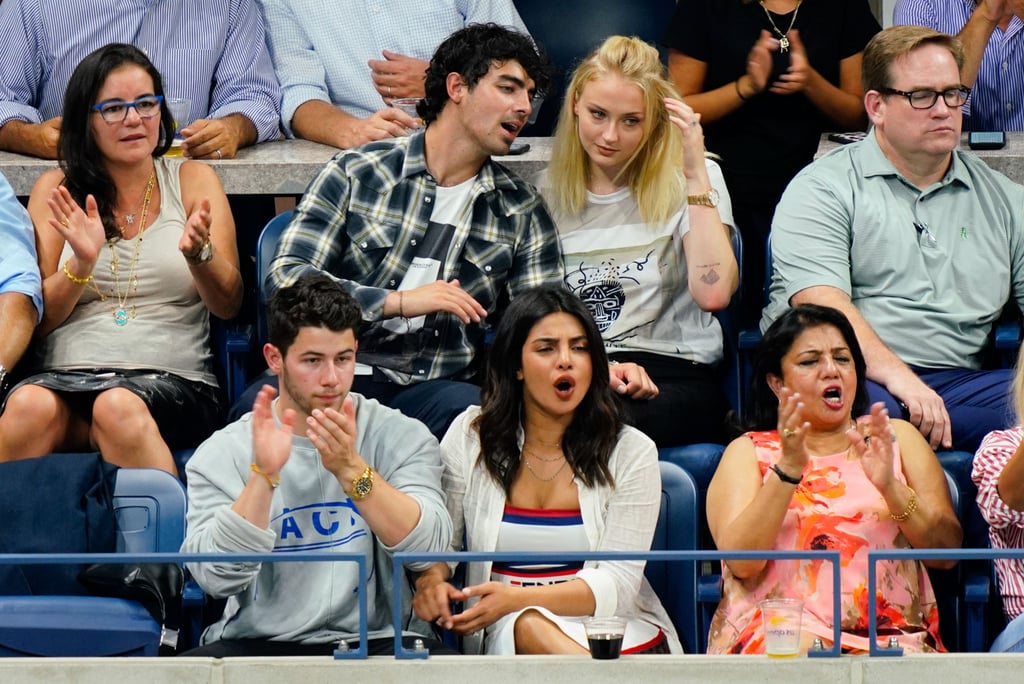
[(546, 464)]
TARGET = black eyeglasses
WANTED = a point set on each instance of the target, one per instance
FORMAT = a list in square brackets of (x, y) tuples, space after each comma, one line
[(926, 99), (116, 111)]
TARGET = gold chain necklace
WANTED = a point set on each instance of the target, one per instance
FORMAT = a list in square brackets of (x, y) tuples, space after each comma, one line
[(783, 37), (129, 219), (122, 314), (533, 472)]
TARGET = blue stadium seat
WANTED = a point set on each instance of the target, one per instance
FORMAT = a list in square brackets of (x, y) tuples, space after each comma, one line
[(265, 248), (150, 510), (568, 31), (676, 582)]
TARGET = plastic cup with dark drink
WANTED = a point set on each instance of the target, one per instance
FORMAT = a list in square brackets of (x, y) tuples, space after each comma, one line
[(604, 635)]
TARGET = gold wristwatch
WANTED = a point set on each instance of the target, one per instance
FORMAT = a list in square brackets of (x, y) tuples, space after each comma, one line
[(204, 254), (705, 199), (362, 485)]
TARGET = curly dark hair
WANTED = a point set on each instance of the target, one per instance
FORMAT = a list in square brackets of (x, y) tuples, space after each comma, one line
[(315, 300), (470, 52), (79, 157), (591, 436), (762, 404)]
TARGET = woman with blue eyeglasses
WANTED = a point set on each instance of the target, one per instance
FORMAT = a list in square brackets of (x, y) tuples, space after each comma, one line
[(135, 251)]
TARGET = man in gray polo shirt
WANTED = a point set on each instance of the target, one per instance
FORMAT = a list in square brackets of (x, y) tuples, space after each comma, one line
[(919, 244)]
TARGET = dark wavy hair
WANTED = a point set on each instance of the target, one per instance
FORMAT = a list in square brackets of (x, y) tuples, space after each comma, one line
[(470, 52), (77, 153), (591, 436), (762, 404), (315, 300)]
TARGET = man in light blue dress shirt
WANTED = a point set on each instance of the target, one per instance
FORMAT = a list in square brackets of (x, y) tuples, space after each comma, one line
[(212, 52), (341, 64), (21, 293), (993, 35)]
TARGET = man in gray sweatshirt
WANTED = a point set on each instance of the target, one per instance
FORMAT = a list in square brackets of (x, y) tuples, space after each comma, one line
[(318, 468)]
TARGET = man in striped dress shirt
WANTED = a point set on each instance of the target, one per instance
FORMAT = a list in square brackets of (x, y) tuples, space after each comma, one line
[(338, 92), (212, 52), (992, 32)]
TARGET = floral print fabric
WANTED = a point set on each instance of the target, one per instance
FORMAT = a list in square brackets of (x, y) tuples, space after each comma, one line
[(835, 507)]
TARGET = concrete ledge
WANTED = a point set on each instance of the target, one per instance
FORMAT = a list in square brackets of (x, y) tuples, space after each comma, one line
[(916, 669)]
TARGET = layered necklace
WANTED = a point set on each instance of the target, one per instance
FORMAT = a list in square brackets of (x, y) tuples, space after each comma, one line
[(528, 453), (783, 37), (123, 312), (129, 219)]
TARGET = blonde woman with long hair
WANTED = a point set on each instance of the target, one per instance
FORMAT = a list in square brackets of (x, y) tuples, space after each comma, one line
[(642, 216)]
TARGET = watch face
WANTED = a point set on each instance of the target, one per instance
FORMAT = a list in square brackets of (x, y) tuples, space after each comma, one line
[(713, 197), (362, 487)]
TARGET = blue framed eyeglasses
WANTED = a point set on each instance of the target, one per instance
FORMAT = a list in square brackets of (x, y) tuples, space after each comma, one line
[(116, 111)]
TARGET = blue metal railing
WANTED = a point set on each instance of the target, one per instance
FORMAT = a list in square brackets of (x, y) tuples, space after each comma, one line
[(402, 558), (219, 558), (917, 555)]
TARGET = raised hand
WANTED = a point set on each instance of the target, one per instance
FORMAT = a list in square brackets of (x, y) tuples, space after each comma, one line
[(795, 77), (759, 63), (792, 433), (333, 433), (271, 443), (688, 123), (83, 230), (873, 441)]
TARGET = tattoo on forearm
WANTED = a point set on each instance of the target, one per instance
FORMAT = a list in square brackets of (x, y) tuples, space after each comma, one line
[(711, 277)]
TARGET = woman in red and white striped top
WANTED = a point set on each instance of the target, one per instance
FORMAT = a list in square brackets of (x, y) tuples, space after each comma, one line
[(999, 475)]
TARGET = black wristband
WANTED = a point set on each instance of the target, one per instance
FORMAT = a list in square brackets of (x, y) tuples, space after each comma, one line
[(784, 477)]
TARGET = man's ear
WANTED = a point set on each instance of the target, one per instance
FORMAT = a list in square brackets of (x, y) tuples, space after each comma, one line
[(457, 87), (874, 105), (274, 358)]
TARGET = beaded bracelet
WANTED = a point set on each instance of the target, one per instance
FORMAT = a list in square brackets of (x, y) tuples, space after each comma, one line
[(274, 482), (73, 278), (909, 510)]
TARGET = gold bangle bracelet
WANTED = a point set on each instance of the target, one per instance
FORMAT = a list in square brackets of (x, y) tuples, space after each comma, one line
[(73, 278), (274, 482), (909, 510), (401, 309)]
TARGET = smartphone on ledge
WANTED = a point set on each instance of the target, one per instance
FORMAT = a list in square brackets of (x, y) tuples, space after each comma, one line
[(519, 148), (846, 138), (986, 140)]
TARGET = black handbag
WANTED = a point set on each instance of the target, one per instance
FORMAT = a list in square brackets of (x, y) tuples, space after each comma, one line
[(157, 586)]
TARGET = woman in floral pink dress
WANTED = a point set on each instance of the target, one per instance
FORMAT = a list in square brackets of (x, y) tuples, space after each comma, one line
[(811, 477)]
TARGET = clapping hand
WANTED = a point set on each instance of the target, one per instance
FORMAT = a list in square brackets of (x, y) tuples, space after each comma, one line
[(792, 432), (271, 443), (794, 79), (83, 230), (873, 441)]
